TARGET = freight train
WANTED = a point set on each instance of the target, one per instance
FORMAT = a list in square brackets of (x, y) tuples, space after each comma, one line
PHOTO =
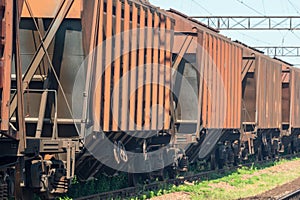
[(101, 86)]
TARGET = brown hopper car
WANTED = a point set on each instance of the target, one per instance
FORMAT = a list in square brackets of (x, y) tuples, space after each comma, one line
[(95, 87)]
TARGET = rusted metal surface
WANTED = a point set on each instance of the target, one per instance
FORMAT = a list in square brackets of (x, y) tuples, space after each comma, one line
[(161, 82), (42, 111), (286, 95), (268, 93), (262, 90), (141, 61), (133, 65), (117, 66), (295, 98), (229, 71), (155, 73), (131, 94), (6, 61), (168, 99), (90, 42), (249, 86), (108, 66), (125, 66), (35, 62), (64, 52), (49, 9), (220, 63), (148, 71), (2, 42), (18, 66)]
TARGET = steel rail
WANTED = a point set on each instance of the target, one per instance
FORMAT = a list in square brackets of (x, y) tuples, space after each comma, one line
[(293, 195), (138, 190)]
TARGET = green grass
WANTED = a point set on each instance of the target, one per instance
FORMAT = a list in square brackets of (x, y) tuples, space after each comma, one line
[(97, 185), (243, 182)]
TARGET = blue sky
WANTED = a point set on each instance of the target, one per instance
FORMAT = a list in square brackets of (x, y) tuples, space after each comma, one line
[(244, 7)]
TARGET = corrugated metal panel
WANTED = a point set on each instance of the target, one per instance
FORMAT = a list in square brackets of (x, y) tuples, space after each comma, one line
[(263, 91), (1, 76), (249, 87), (295, 98), (286, 90), (168, 64), (108, 66), (220, 63), (268, 93), (162, 71), (5, 62), (222, 75), (133, 64), (155, 73), (138, 106), (124, 122), (117, 66), (148, 87), (141, 69), (2, 9)]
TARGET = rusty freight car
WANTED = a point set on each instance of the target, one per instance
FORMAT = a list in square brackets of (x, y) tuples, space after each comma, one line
[(290, 108), (131, 83), (93, 87), (294, 99), (262, 102), (211, 64), (70, 57), (141, 36)]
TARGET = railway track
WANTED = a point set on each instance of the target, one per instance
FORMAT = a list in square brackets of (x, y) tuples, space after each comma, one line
[(295, 195), (143, 189), (139, 190)]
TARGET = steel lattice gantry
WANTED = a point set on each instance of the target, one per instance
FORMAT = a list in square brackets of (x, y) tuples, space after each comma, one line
[(251, 22), (280, 51)]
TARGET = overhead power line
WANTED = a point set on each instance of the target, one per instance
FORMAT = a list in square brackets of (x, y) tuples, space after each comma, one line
[(202, 7), (253, 9), (293, 5)]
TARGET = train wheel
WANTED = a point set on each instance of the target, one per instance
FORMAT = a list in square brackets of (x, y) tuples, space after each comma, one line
[(237, 160), (289, 149), (133, 179), (221, 163), (171, 172), (259, 156), (212, 161)]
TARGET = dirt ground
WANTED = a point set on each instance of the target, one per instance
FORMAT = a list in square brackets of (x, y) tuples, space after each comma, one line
[(279, 191), (173, 196)]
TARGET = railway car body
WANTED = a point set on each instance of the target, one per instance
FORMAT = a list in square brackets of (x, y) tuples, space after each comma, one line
[(290, 109), (216, 62), (82, 64), (131, 83), (294, 96), (262, 103), (99, 86), (266, 113)]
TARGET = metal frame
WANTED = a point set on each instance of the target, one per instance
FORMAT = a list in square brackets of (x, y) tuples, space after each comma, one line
[(280, 51), (42, 50), (250, 22), (90, 63), (6, 61)]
